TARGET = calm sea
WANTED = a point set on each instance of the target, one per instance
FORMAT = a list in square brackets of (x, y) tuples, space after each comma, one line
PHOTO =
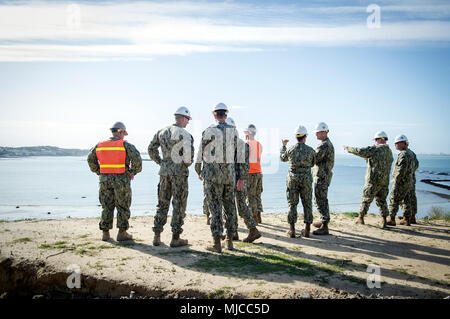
[(58, 187)]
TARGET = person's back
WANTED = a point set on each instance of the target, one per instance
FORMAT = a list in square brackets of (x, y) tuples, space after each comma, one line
[(173, 140), (379, 165), (301, 158), (218, 164)]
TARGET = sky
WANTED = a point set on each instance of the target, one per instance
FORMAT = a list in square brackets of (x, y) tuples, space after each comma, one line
[(69, 70)]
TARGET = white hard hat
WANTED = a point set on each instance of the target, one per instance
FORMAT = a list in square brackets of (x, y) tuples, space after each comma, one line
[(401, 138), (250, 129), (300, 131), (221, 107), (380, 134), (230, 122), (119, 126), (183, 110), (321, 127)]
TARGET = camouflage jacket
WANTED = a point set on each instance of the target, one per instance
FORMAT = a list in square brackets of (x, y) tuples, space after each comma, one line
[(301, 158), (404, 169), (218, 154), (133, 161), (379, 160), (324, 162), (177, 146)]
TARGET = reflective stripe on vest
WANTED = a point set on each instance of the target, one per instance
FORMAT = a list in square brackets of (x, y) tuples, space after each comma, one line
[(111, 157), (255, 157)]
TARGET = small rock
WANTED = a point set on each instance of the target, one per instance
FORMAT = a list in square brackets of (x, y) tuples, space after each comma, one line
[(448, 297), (38, 297), (4, 295), (17, 207), (305, 296), (83, 196), (48, 213), (132, 294)]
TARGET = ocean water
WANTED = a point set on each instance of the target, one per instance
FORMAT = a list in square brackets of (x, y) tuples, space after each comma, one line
[(59, 187)]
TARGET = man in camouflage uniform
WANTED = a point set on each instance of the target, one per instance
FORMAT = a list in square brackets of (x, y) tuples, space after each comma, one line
[(403, 182), (255, 177), (379, 159), (218, 153), (301, 158), (322, 177), (177, 147), (115, 188), (241, 196)]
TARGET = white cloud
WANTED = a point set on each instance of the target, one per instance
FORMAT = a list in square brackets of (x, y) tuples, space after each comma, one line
[(44, 31)]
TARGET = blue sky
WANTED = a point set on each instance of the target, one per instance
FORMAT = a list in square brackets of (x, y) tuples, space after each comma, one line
[(71, 69)]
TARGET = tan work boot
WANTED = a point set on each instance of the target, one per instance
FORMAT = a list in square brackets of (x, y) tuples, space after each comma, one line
[(106, 235), (305, 232), (252, 236), (291, 232), (157, 239), (229, 242), (208, 220), (236, 236), (216, 247), (391, 221), (383, 222), (405, 221), (122, 235), (322, 230), (317, 224), (177, 241), (413, 219), (360, 220)]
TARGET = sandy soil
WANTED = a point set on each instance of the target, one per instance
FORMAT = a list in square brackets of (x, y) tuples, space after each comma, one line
[(414, 261)]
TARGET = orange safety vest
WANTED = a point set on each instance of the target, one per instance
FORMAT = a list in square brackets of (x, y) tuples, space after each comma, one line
[(111, 156), (255, 156)]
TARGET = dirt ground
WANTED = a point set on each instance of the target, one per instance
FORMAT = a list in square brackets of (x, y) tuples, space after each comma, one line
[(413, 262)]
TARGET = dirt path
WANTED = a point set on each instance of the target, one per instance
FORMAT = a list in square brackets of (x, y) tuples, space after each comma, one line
[(414, 261)]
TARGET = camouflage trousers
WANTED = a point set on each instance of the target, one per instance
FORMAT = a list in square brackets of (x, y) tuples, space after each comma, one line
[(205, 202), (115, 193), (401, 196), (380, 193), (321, 199), (413, 201), (299, 187), (243, 209), (175, 188), (254, 190), (218, 197)]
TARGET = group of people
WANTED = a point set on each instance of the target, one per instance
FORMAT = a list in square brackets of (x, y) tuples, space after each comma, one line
[(231, 173)]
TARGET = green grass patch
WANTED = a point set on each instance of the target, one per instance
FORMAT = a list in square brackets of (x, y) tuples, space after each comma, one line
[(22, 240), (83, 236), (438, 213), (56, 245), (221, 293), (351, 214)]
